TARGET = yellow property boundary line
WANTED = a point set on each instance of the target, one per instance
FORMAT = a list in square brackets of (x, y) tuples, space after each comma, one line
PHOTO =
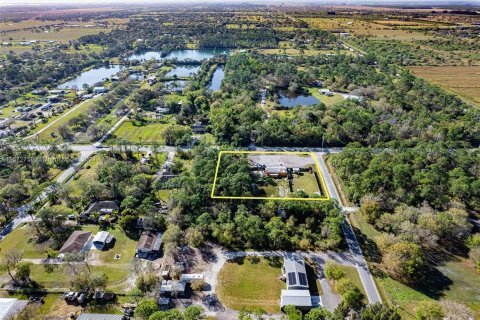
[(312, 154)]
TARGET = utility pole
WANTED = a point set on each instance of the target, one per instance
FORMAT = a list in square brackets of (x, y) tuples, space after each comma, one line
[(323, 140)]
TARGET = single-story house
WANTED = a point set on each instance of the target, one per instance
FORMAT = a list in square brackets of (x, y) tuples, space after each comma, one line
[(47, 106), (152, 80), (275, 171), (295, 273), (149, 244), (100, 90), (102, 239), (39, 92), (9, 307), (198, 128), (99, 207), (100, 316), (77, 242), (172, 287)]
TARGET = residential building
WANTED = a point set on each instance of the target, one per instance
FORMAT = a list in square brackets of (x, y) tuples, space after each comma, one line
[(100, 316), (9, 307), (77, 242), (100, 90), (275, 171), (98, 209), (149, 244), (297, 292), (172, 287)]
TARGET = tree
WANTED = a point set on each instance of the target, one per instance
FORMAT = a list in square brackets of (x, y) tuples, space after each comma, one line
[(194, 313), (292, 312), (173, 314), (378, 311), (87, 281), (23, 272), (127, 223), (198, 285), (318, 314), (146, 308), (404, 260), (333, 271), (194, 237), (370, 209), (11, 260), (146, 282), (429, 310)]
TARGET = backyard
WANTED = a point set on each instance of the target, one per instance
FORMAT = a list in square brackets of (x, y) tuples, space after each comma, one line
[(251, 282)]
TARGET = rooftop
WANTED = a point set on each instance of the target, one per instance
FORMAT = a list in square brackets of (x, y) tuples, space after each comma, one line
[(76, 242)]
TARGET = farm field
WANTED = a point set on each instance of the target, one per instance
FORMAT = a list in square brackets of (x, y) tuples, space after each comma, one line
[(250, 283), (462, 80), (375, 30), (61, 35)]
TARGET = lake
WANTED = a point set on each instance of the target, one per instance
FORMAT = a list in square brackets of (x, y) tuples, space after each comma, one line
[(289, 99), (217, 78), (175, 85), (183, 71), (180, 55), (91, 77)]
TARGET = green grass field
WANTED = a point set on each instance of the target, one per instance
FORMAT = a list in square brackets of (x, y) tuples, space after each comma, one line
[(149, 133), (250, 284), (46, 135), (328, 101)]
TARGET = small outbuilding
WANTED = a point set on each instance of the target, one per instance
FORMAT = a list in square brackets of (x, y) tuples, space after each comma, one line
[(102, 239), (100, 316), (299, 298)]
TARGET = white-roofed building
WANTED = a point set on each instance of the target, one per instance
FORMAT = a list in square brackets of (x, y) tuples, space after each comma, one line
[(9, 307), (299, 298), (297, 292), (101, 239)]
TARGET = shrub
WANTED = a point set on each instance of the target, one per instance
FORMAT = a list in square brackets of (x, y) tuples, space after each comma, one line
[(333, 271)]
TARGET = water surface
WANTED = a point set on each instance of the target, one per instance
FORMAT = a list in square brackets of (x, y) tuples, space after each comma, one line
[(180, 55), (91, 77), (289, 99), (217, 78)]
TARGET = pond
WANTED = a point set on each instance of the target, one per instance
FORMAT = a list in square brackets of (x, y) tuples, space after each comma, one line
[(183, 71), (175, 85), (181, 55), (91, 77), (217, 78), (289, 99)]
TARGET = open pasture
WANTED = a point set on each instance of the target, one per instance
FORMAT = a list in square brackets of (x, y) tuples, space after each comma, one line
[(462, 80)]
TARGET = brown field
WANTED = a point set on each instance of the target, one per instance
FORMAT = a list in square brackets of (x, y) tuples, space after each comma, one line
[(64, 34), (462, 80), (380, 31)]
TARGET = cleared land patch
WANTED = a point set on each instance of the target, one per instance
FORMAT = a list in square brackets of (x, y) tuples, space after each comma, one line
[(462, 80), (268, 176), (250, 283)]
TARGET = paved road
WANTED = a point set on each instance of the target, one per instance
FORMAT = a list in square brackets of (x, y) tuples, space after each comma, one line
[(59, 118), (353, 245)]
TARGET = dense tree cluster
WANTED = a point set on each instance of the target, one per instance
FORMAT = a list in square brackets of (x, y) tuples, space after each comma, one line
[(246, 224)]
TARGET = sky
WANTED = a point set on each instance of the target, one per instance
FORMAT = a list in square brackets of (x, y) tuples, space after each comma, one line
[(376, 2)]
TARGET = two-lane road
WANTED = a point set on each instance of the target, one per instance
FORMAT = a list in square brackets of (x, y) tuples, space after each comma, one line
[(352, 242)]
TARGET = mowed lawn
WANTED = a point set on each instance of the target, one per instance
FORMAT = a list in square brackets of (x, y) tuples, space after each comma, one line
[(139, 134), (124, 246), (19, 239), (248, 284), (62, 119), (462, 80)]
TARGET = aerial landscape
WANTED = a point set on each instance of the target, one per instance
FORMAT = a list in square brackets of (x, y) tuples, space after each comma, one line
[(189, 160)]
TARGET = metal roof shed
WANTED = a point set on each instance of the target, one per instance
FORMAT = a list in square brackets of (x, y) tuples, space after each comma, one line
[(299, 298)]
